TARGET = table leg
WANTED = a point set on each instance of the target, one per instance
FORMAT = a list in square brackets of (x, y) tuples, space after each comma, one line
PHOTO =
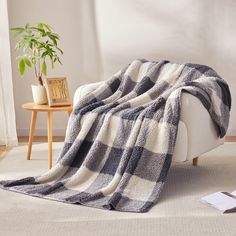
[(69, 112), (31, 134), (49, 140), (195, 161)]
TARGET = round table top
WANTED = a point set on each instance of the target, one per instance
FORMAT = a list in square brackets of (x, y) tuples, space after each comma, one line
[(35, 107)]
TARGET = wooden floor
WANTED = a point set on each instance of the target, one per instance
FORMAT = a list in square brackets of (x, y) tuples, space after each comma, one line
[(3, 151), (23, 140), (41, 139), (230, 139)]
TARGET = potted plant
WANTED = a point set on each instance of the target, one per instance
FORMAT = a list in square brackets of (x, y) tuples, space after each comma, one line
[(39, 45)]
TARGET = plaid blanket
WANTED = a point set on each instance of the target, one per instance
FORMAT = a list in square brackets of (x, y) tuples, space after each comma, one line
[(120, 138)]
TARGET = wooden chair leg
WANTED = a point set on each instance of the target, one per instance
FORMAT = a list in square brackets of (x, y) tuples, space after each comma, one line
[(195, 161)]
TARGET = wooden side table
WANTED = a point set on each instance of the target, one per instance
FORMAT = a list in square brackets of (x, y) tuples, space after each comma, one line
[(43, 108)]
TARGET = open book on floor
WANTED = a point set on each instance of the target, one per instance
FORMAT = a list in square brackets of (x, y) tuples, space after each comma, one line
[(223, 201)]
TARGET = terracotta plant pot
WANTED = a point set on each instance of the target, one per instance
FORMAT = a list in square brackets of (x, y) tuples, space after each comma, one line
[(39, 94)]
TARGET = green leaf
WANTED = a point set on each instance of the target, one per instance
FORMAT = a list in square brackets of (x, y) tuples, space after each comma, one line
[(56, 36), (40, 25), (37, 42), (17, 31), (17, 46), (54, 41), (39, 30), (59, 50), (48, 27), (59, 60), (44, 68), (27, 62), (21, 66)]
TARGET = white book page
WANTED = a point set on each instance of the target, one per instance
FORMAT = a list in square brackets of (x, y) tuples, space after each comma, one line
[(220, 201), (234, 193)]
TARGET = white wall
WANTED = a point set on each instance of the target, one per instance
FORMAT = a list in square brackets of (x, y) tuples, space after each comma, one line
[(74, 21), (202, 31)]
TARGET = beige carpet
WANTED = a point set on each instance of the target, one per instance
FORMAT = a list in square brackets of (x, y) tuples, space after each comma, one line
[(179, 211)]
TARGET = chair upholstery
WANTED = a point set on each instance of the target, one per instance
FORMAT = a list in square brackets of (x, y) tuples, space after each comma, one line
[(197, 133)]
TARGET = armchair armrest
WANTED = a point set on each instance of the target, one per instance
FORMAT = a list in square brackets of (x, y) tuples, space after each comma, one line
[(197, 133), (201, 130), (84, 90)]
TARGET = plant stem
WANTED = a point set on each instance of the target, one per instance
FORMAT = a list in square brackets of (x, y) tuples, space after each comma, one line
[(35, 67), (35, 71), (39, 74), (40, 80)]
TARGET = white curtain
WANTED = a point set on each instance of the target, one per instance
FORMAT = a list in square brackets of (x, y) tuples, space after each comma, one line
[(8, 134)]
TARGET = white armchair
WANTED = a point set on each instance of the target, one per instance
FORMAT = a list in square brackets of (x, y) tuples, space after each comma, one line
[(197, 133)]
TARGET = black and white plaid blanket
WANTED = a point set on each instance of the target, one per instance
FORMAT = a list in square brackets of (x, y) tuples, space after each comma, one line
[(120, 138)]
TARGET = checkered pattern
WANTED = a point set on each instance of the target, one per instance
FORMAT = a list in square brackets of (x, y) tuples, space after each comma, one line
[(121, 137)]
